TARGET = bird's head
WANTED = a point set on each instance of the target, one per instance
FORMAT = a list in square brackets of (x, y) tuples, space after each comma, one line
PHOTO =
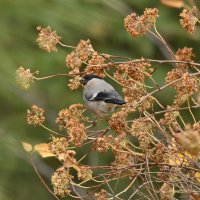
[(88, 78)]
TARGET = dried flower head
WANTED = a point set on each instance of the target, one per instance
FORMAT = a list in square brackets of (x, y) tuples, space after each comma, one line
[(47, 39), (157, 154), (102, 195), (24, 77), (95, 65), (190, 140), (74, 83), (73, 61), (118, 121), (184, 54), (58, 145), (102, 144), (142, 129), (85, 173), (170, 115), (84, 49), (139, 25), (70, 119), (188, 20), (61, 182), (166, 192), (35, 116)]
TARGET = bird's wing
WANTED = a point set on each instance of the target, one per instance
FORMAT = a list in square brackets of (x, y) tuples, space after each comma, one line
[(108, 97)]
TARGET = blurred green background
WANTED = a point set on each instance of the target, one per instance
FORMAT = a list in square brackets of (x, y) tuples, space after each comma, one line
[(99, 20)]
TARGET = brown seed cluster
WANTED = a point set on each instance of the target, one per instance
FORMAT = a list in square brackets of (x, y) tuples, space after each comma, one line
[(47, 39), (142, 129), (61, 182), (157, 154), (132, 76), (118, 121), (123, 156), (187, 85), (95, 65), (188, 20), (35, 116), (166, 192), (76, 59), (102, 144), (169, 116), (102, 195), (58, 145), (24, 77), (70, 120), (85, 173), (139, 25), (190, 140)]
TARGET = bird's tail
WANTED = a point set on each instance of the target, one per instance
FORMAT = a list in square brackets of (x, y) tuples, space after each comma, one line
[(115, 101)]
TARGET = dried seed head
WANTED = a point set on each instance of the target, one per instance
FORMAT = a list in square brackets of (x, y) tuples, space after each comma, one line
[(24, 77), (166, 192), (70, 119), (95, 65), (58, 145), (139, 25), (188, 20), (47, 39), (35, 116), (102, 144), (85, 173), (102, 195), (73, 61), (184, 54), (190, 140), (84, 49), (61, 182), (74, 83), (118, 121)]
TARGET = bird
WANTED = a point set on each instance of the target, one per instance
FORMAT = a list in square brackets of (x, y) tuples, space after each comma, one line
[(99, 96)]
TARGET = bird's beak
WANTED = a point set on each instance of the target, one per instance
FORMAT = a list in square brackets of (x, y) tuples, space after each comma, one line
[(83, 81)]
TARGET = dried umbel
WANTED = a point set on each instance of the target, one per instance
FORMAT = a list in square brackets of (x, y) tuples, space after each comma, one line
[(166, 192), (102, 144), (118, 121), (61, 182), (74, 83), (73, 61), (47, 39), (102, 195), (169, 116), (185, 54), (141, 128), (70, 120), (24, 77), (190, 140), (139, 25), (188, 20), (58, 145), (84, 49), (84, 173), (35, 116), (95, 65)]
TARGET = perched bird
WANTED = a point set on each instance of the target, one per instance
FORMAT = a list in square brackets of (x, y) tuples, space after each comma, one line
[(99, 96)]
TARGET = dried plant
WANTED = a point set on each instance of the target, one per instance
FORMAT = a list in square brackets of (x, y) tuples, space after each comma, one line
[(155, 155)]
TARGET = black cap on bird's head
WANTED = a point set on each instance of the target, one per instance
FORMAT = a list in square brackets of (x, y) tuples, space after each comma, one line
[(88, 77)]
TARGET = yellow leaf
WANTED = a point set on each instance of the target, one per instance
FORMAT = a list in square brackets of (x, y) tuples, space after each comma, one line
[(180, 159), (173, 3), (197, 176), (43, 150), (27, 147)]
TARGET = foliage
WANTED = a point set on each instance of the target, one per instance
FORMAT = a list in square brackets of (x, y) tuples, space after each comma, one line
[(123, 43)]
